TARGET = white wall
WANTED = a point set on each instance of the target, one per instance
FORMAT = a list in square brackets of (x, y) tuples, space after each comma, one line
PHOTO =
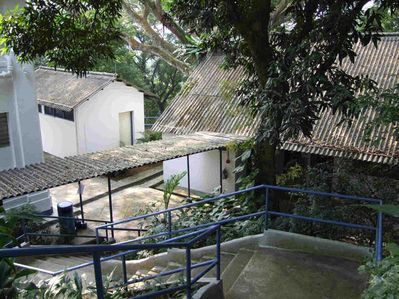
[(97, 119), (58, 135), (204, 171), (18, 100)]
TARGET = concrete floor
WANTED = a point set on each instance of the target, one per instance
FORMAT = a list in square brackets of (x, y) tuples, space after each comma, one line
[(281, 274), (127, 202)]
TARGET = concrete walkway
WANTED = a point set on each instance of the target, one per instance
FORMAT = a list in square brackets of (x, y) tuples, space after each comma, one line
[(128, 201), (276, 274)]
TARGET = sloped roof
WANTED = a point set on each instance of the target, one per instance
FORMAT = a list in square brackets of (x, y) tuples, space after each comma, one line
[(61, 171), (64, 90), (206, 105)]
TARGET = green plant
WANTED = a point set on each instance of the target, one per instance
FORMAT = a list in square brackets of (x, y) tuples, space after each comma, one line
[(384, 275), (170, 186), (150, 136), (9, 273)]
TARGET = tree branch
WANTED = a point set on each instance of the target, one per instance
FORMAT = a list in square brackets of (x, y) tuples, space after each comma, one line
[(148, 30), (162, 53), (166, 20)]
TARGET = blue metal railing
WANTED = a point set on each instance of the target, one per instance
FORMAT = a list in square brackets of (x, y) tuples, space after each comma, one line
[(199, 232), (98, 250), (266, 213)]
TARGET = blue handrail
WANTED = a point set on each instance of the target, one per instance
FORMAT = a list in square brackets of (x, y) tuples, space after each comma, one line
[(266, 213), (200, 232), (97, 250)]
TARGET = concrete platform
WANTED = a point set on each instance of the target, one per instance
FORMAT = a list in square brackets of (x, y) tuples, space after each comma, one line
[(274, 273)]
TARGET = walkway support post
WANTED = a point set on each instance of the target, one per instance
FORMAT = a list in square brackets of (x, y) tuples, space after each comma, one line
[(111, 214), (221, 170), (80, 191), (188, 179)]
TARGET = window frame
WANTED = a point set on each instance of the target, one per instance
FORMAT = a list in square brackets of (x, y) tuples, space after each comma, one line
[(5, 141)]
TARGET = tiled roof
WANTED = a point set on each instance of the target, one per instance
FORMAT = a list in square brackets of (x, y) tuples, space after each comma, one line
[(64, 90), (207, 104), (61, 171)]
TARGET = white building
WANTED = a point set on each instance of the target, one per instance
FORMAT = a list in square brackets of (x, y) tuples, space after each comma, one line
[(83, 115), (20, 140)]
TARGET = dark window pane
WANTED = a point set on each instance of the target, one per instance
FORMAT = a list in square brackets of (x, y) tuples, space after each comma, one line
[(40, 108), (4, 136), (69, 115), (49, 110), (58, 113)]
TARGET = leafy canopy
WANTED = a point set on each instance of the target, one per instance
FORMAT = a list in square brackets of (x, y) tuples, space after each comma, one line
[(292, 52), (72, 34)]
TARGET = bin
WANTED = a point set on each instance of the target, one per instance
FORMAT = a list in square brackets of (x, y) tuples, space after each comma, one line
[(67, 226)]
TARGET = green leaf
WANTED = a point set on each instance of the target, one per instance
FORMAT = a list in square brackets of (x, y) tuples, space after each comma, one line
[(389, 209), (393, 249)]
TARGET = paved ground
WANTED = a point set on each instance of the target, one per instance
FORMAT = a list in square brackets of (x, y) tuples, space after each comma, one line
[(273, 273), (131, 201)]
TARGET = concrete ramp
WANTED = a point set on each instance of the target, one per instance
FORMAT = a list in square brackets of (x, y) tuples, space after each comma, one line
[(280, 274)]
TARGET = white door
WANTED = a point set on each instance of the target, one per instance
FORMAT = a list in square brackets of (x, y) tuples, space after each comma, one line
[(126, 128)]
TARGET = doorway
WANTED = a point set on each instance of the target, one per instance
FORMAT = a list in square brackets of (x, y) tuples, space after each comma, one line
[(126, 128)]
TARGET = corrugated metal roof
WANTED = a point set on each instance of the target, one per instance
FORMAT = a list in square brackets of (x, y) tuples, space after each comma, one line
[(64, 90), (61, 171), (207, 104)]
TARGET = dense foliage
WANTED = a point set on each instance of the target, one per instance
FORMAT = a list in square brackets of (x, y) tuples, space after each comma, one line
[(384, 275), (71, 34), (292, 52)]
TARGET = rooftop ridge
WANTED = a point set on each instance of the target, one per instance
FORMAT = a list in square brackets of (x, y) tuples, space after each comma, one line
[(59, 70)]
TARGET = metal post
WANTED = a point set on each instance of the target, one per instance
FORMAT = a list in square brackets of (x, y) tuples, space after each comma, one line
[(266, 208), (188, 272), (188, 178), (218, 238), (378, 242), (98, 275), (124, 270), (82, 215), (26, 236), (170, 224), (111, 214), (221, 170)]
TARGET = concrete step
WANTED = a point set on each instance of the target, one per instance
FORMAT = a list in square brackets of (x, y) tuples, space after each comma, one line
[(235, 267)]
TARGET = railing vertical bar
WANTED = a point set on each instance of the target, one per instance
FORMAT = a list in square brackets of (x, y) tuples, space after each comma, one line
[(124, 270), (221, 170), (379, 232), (98, 275), (266, 208), (188, 179), (188, 272), (170, 224), (218, 239)]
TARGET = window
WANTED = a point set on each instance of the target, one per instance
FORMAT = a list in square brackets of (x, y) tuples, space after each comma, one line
[(68, 115), (49, 110), (4, 135), (40, 108)]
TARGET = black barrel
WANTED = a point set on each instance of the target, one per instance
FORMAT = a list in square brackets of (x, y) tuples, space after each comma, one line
[(67, 225)]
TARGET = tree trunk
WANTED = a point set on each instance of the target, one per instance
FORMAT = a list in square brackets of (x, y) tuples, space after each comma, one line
[(265, 160)]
